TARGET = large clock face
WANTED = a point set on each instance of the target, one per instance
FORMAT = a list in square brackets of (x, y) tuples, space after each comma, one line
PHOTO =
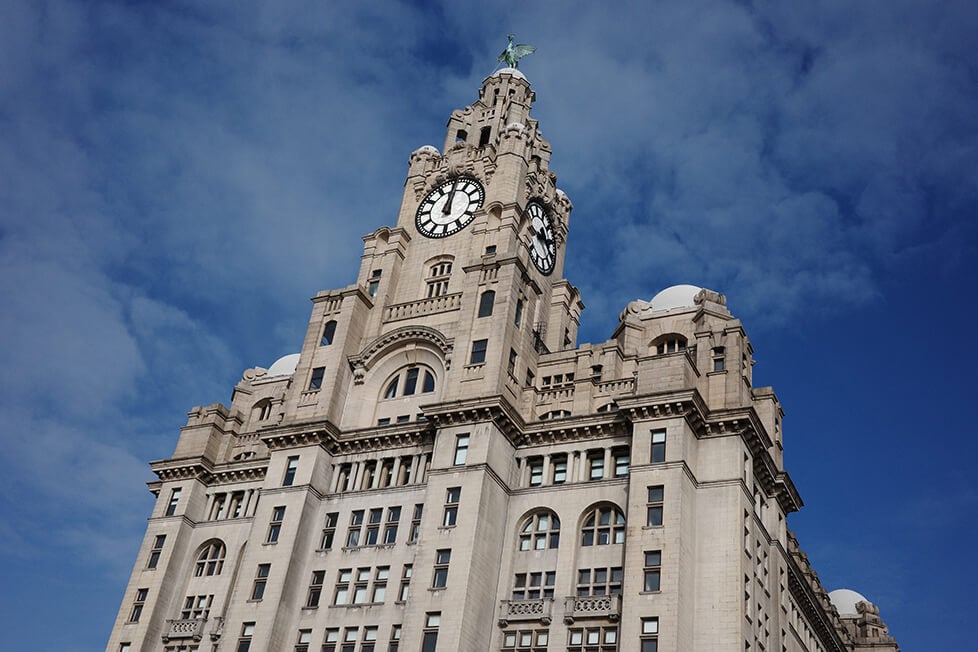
[(543, 245), (449, 208)]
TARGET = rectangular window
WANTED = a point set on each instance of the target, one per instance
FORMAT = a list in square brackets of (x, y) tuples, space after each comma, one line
[(596, 465), (440, 578), (373, 526), (402, 596), (518, 314), (331, 639), (381, 575), (534, 586), (491, 249), (261, 579), (525, 640), (478, 352), (429, 636), (171, 507), (718, 355), (559, 467), (622, 458), (659, 446), (342, 594), (196, 607), (390, 530), (650, 635), (415, 532), (154, 554), (529, 378), (237, 505), (291, 466), (395, 640), (275, 525), (592, 639), (315, 589), (653, 570), (316, 379), (217, 509), (350, 639), (369, 639), (536, 471), (461, 449), (654, 507), (374, 283), (360, 587), (244, 641), (599, 581), (329, 531), (137, 605), (125, 647), (452, 498), (303, 640), (353, 534), (511, 365)]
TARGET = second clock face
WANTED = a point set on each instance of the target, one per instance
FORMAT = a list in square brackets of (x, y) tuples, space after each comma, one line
[(543, 245), (449, 207)]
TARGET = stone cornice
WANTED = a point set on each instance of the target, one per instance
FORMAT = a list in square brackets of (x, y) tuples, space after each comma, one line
[(812, 599), (326, 434), (488, 408), (592, 426), (201, 469)]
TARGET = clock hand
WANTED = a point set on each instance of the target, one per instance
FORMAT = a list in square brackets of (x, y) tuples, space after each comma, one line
[(447, 208)]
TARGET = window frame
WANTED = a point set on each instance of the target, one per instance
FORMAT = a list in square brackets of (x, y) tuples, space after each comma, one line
[(655, 506), (329, 333), (262, 574), (291, 468), (316, 378), (461, 449), (657, 453), (478, 352), (439, 577), (487, 301), (652, 571)]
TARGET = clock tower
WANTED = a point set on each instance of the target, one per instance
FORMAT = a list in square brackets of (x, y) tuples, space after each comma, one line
[(442, 467)]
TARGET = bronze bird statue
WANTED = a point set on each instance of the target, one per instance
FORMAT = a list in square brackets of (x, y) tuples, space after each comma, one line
[(513, 53)]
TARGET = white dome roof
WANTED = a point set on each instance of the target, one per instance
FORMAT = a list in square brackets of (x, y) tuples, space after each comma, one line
[(284, 366), (510, 71), (677, 296), (427, 149), (845, 601)]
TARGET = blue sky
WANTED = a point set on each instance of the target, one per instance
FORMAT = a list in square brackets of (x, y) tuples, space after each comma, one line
[(179, 178)]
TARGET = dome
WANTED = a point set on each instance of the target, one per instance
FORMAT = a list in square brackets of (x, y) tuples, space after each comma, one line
[(284, 366), (509, 71), (845, 601), (427, 149), (677, 296)]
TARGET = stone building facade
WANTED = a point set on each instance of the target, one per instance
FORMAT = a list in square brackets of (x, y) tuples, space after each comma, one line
[(443, 467)]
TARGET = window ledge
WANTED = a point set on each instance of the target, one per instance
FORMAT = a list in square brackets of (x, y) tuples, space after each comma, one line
[(447, 527), (436, 589)]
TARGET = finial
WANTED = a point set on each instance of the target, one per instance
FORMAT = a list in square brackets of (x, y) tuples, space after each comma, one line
[(513, 53)]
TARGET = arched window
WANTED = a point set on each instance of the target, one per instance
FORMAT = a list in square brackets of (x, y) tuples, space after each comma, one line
[(210, 561), (669, 343), (407, 380), (262, 409), (486, 301), (604, 525), (329, 330), (540, 531)]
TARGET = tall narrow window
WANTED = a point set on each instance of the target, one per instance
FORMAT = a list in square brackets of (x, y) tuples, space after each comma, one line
[(395, 640), (461, 449), (329, 531), (329, 331), (451, 506), (595, 460), (390, 529), (374, 284), (275, 525), (411, 381), (137, 605), (518, 314), (303, 640), (369, 643), (244, 641), (315, 589), (356, 524), (653, 570), (484, 135), (415, 532), (429, 636), (478, 352), (536, 471), (658, 445), (381, 575), (511, 364), (291, 466), (486, 302), (171, 507), (261, 579), (406, 573), (331, 639), (350, 639), (654, 507), (360, 587), (440, 578), (316, 379), (650, 635), (718, 358), (154, 554), (559, 466), (373, 526), (342, 594), (622, 458)]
